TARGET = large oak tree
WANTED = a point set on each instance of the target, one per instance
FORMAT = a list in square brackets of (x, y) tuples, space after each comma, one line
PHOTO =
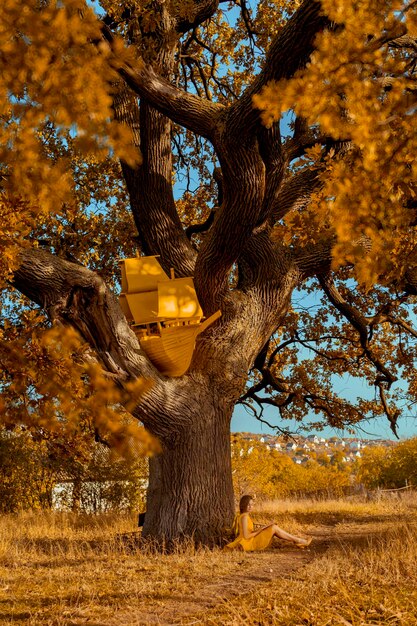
[(297, 119)]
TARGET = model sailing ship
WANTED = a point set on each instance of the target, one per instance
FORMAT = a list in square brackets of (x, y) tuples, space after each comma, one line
[(164, 311)]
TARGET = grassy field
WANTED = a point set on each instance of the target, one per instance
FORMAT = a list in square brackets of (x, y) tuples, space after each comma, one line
[(62, 569)]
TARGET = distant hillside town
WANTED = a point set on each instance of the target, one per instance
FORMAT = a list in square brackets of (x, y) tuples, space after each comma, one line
[(302, 449)]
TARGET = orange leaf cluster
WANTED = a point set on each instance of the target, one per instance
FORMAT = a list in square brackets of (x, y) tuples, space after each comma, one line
[(78, 396), (48, 61), (360, 89)]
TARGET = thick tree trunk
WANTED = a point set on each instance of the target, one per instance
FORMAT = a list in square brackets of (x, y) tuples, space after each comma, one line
[(190, 489)]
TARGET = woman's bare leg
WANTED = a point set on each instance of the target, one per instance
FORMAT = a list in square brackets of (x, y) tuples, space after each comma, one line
[(282, 534)]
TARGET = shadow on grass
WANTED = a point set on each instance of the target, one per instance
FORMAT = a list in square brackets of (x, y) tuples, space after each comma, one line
[(63, 546), (177, 605), (70, 602), (344, 517), (357, 536), (15, 617)]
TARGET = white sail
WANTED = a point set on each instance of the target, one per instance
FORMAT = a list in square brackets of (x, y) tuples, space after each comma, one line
[(141, 274), (177, 299)]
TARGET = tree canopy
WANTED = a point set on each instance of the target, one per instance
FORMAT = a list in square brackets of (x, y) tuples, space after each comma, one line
[(265, 148)]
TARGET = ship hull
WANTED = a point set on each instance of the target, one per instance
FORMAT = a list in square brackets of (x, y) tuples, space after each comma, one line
[(171, 351)]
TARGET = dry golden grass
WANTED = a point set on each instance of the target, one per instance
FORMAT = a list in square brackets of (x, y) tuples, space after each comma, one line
[(375, 583), (64, 569), (338, 511), (61, 569), (368, 575)]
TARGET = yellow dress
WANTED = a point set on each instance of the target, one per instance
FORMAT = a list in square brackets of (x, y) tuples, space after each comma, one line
[(259, 542)]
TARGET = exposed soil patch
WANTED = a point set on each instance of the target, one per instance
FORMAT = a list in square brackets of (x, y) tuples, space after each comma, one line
[(63, 582), (252, 571)]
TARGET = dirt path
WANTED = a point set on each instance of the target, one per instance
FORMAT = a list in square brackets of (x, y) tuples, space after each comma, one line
[(252, 570)]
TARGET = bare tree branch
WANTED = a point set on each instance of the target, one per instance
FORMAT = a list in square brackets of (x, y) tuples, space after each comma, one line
[(196, 114), (396, 321), (315, 258), (269, 140), (385, 377), (201, 11), (294, 194), (194, 229), (74, 295), (156, 208), (290, 51)]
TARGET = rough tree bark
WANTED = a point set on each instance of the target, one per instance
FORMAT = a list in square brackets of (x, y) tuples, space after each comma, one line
[(190, 491)]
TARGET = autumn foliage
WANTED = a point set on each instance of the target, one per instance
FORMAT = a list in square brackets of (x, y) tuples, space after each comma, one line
[(267, 150), (390, 469), (271, 474), (359, 89)]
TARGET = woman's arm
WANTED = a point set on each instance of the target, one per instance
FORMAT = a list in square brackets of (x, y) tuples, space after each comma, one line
[(260, 529), (247, 534), (245, 527)]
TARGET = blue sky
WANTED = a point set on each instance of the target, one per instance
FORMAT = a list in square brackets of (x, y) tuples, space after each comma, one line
[(345, 386), (243, 421)]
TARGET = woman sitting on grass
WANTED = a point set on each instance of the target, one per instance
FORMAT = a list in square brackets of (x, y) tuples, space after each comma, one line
[(249, 540)]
